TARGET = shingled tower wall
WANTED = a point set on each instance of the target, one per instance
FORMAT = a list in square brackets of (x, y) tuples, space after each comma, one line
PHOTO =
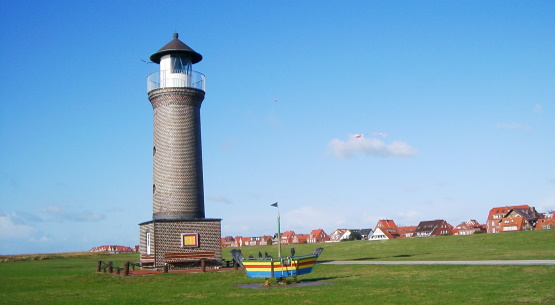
[(178, 222)]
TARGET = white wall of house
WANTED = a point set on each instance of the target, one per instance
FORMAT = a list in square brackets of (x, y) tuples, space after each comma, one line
[(378, 235)]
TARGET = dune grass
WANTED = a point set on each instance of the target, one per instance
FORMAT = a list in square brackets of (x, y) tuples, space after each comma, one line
[(72, 279)]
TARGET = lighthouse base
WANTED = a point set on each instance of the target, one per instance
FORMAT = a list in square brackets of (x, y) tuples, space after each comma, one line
[(181, 244)]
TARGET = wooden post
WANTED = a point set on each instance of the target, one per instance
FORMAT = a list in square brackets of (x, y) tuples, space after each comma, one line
[(272, 268), (110, 267), (166, 268), (203, 264), (126, 269), (235, 265), (98, 265)]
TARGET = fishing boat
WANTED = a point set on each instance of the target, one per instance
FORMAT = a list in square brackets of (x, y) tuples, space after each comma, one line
[(281, 267)]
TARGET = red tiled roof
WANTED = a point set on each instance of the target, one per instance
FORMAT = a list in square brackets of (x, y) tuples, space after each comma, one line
[(505, 210)]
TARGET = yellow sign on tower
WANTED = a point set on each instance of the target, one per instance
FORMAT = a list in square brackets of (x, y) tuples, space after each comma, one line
[(189, 240)]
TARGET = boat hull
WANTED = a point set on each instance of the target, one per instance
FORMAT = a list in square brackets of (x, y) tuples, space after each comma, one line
[(271, 268)]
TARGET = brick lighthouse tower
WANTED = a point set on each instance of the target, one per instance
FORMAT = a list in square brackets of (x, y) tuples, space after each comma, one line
[(178, 234)]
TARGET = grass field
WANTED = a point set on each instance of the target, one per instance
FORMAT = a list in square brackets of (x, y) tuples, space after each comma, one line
[(71, 278)]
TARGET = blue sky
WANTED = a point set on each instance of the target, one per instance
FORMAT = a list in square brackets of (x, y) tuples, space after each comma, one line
[(464, 91)]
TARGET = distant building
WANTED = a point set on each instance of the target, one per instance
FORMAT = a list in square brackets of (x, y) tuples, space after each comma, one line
[(469, 227), (385, 229), (287, 237), (113, 249), (546, 221), (301, 238), (227, 241), (496, 214), (433, 228), (318, 236), (365, 233), (240, 241), (339, 235), (519, 219), (266, 240), (406, 231)]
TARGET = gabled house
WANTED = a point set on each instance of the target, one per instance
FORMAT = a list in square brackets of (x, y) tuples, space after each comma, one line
[(318, 236), (266, 240), (240, 241), (519, 219), (365, 233), (254, 241), (339, 235), (385, 229), (406, 231), (287, 237), (433, 228), (546, 221), (112, 249), (493, 225), (469, 227), (227, 241), (301, 238)]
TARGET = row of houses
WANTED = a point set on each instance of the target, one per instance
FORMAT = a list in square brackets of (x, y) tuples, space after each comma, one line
[(500, 219), (115, 249)]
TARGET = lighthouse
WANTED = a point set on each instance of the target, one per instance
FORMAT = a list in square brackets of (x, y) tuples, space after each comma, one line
[(178, 235)]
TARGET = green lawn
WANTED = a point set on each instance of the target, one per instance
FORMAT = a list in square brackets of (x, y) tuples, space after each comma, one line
[(504, 246), (73, 280)]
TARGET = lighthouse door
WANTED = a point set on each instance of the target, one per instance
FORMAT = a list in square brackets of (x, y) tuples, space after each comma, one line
[(147, 243)]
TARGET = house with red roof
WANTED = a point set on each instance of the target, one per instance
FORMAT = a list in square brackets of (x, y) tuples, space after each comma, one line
[(301, 238), (519, 219), (433, 228), (266, 240), (227, 241), (406, 231), (240, 241), (496, 214), (339, 235), (287, 237), (318, 236), (469, 227), (385, 229), (112, 249), (546, 221)]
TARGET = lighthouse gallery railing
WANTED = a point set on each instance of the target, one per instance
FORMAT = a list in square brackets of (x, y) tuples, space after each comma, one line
[(176, 78)]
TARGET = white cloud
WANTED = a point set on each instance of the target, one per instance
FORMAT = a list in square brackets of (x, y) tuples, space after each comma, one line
[(538, 108), (219, 198), (511, 126), (307, 218), (55, 213), (371, 147), (87, 216), (11, 228), (546, 203)]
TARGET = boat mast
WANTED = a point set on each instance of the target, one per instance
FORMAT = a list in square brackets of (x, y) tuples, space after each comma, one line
[(279, 229)]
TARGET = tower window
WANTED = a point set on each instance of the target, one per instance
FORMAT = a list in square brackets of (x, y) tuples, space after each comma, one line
[(180, 65)]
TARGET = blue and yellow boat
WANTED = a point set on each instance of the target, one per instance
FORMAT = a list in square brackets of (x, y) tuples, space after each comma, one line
[(290, 266)]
